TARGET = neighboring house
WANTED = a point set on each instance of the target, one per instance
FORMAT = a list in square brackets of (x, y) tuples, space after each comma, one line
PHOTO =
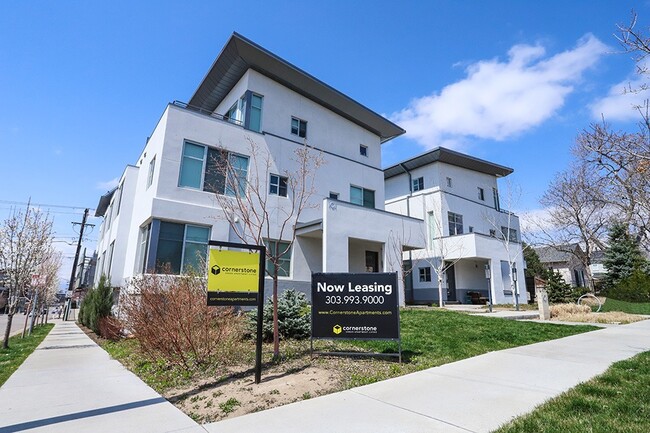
[(565, 259), (596, 265), (164, 211), (457, 197)]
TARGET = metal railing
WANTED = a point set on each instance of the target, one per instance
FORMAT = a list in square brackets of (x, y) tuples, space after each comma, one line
[(205, 112)]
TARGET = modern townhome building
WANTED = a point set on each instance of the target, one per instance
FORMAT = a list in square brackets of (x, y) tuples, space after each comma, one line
[(255, 110), (465, 228)]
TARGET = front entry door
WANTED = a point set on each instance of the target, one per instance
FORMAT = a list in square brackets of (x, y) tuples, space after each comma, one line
[(372, 261), (451, 284)]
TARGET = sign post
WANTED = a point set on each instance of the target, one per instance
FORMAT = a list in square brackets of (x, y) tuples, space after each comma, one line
[(236, 278), (363, 306)]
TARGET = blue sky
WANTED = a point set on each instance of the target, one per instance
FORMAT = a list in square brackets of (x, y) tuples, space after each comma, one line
[(84, 82)]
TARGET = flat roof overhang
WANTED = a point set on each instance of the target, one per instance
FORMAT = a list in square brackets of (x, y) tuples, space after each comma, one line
[(240, 54)]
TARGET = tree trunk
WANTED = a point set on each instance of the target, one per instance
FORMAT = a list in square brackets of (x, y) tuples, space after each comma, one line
[(276, 334), (440, 303), (5, 343)]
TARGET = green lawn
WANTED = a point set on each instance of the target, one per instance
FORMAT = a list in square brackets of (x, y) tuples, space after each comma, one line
[(431, 337), (19, 349), (626, 307), (617, 401)]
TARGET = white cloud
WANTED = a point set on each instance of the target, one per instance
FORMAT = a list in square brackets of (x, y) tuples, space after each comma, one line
[(108, 185), (621, 100), (535, 221), (499, 99)]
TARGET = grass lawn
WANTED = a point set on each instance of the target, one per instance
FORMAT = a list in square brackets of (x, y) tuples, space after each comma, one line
[(626, 307), (617, 401), (20, 349)]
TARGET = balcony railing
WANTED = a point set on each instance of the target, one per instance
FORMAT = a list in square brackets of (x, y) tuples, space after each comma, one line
[(207, 113)]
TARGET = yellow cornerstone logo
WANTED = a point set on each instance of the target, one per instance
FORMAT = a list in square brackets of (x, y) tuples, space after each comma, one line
[(233, 271), (337, 329)]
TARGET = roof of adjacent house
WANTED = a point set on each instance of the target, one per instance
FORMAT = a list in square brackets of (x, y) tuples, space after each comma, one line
[(240, 54), (556, 254), (441, 154)]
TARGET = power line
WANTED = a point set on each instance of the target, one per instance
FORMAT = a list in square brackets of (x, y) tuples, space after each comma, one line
[(61, 206)]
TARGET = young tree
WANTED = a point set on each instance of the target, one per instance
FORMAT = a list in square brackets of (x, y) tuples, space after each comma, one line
[(622, 256), (25, 246), (255, 216)]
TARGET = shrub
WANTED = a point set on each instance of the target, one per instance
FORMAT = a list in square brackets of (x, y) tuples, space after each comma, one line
[(294, 318), (170, 318), (96, 305), (635, 288), (558, 290)]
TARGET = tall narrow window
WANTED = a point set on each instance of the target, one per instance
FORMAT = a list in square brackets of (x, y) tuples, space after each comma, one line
[(418, 184), (425, 274), (278, 185), (281, 251), (195, 248), (495, 193), (237, 175), (110, 258), (432, 223), (455, 223), (143, 249), (255, 122), (298, 127), (449, 184), (152, 168), (481, 194), (192, 165)]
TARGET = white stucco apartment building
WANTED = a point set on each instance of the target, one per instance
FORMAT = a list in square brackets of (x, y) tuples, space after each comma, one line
[(457, 197), (164, 210)]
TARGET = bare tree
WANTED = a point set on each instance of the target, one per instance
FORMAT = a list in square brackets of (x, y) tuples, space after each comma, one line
[(395, 254), (25, 242), (259, 218), (578, 213), (503, 224), (441, 252), (613, 164)]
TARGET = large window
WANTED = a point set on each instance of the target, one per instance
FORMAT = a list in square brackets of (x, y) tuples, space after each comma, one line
[(425, 274), (455, 223), (281, 250), (278, 185), (362, 197), (249, 119), (509, 234), (418, 184), (255, 119), (213, 170), (298, 127), (181, 247)]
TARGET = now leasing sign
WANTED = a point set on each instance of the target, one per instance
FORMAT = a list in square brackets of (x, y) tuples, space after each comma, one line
[(355, 306), (233, 277)]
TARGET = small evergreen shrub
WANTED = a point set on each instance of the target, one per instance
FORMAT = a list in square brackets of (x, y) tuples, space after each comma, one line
[(294, 317), (559, 292), (635, 288), (96, 305)]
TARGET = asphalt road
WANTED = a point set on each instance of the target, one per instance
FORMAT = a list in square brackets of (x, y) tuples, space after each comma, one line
[(17, 324)]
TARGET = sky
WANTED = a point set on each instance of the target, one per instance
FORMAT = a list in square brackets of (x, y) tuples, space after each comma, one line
[(83, 83)]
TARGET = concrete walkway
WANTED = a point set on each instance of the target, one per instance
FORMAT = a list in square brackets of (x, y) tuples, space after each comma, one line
[(69, 384), (473, 395)]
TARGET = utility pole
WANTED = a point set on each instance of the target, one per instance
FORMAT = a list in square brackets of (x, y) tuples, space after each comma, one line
[(76, 260)]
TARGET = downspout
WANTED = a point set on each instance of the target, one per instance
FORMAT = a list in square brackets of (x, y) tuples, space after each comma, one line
[(408, 213)]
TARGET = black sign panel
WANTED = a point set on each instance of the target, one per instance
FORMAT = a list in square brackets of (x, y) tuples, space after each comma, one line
[(349, 306)]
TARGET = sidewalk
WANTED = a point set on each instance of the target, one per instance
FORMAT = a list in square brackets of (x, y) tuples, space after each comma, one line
[(70, 384), (473, 395)]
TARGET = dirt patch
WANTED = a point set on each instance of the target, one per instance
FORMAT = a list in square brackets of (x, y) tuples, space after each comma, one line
[(232, 396), (583, 314)]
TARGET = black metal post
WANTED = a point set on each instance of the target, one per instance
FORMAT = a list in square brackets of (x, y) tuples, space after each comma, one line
[(260, 317), (488, 276)]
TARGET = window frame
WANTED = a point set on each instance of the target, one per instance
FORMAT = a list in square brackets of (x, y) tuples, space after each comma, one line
[(455, 221), (363, 192), (270, 246), (278, 185), (183, 246), (363, 150), (481, 193), (449, 182), (299, 130), (417, 184), (424, 274), (152, 169)]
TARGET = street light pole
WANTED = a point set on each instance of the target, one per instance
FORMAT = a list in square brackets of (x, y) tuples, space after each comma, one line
[(488, 276)]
